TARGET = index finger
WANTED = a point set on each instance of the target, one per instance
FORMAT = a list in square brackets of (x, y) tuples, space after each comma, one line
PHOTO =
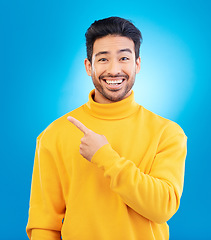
[(78, 124)]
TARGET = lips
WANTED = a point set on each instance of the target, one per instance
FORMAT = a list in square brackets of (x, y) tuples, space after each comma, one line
[(113, 84), (113, 81)]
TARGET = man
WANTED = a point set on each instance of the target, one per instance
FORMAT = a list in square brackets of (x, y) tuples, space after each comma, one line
[(110, 169)]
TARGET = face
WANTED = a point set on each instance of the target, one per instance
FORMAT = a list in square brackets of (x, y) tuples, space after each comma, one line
[(113, 68)]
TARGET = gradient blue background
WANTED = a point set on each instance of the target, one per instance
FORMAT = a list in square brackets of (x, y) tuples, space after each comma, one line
[(42, 48)]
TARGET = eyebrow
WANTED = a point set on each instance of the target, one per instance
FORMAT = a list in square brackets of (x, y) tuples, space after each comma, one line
[(107, 52), (101, 53), (125, 50)]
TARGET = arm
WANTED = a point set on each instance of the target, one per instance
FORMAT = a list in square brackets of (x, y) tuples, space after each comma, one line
[(47, 205), (156, 195), (40, 234)]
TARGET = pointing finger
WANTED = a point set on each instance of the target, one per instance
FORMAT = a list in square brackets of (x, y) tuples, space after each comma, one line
[(78, 124)]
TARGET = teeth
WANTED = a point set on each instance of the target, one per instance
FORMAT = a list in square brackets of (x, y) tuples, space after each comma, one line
[(114, 81)]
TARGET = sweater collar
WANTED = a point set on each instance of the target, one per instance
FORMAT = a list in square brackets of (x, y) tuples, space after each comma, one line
[(116, 110)]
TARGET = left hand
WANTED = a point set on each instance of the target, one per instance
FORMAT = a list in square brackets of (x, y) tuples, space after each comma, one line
[(90, 142)]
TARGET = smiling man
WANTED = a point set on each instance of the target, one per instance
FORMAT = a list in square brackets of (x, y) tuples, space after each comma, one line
[(109, 169), (113, 68)]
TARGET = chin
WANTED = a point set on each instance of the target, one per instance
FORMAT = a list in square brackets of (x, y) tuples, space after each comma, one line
[(115, 96)]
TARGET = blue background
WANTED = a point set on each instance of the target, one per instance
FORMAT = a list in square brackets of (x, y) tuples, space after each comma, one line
[(42, 48)]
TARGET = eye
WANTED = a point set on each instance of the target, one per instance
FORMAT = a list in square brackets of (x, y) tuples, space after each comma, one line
[(124, 59), (102, 60)]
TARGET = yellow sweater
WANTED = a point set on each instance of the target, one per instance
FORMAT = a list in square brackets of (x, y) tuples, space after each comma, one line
[(128, 191)]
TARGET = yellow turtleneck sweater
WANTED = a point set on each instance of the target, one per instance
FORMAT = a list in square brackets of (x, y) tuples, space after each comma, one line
[(128, 191)]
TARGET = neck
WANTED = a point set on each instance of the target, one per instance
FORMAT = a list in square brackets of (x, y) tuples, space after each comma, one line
[(113, 110)]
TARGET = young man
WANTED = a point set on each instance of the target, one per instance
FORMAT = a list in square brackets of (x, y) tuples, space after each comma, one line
[(110, 169)]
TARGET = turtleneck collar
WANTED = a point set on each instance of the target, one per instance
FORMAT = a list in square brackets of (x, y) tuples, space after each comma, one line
[(116, 110)]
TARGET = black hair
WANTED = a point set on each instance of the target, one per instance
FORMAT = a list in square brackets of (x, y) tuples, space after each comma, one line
[(112, 26)]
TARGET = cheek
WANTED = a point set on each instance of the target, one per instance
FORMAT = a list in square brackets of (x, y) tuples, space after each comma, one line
[(93, 72), (130, 69), (97, 71)]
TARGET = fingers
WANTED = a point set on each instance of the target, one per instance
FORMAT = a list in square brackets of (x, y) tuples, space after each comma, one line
[(78, 124)]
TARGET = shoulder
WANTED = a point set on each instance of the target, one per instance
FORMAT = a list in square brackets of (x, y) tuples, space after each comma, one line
[(158, 123)]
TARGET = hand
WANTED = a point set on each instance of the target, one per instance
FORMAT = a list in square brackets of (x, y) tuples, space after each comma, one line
[(90, 142)]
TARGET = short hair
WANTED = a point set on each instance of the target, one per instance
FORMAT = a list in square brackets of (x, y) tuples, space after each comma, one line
[(112, 26)]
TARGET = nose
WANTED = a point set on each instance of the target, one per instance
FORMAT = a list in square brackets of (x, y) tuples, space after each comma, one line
[(114, 68)]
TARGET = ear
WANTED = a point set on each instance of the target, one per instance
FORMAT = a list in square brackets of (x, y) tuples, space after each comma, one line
[(88, 66), (138, 64)]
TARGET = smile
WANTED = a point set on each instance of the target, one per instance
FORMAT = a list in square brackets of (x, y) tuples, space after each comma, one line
[(114, 82)]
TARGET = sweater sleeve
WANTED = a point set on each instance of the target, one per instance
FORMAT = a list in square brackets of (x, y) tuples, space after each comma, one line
[(41, 234), (47, 205), (156, 195)]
